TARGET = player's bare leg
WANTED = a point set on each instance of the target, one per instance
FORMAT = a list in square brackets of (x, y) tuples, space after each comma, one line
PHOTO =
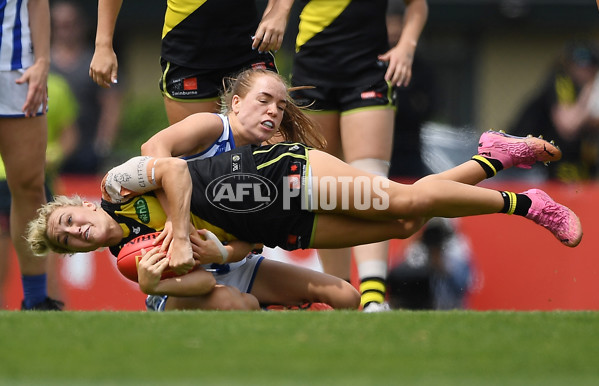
[(222, 298), (287, 284), (23, 149)]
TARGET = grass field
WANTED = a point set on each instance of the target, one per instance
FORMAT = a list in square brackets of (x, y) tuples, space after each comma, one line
[(317, 348)]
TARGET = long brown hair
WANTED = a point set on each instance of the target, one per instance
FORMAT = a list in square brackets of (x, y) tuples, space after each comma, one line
[(296, 126)]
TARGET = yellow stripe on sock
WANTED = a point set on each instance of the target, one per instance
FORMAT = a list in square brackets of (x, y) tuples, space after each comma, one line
[(513, 200), (486, 161), (372, 285), (373, 296)]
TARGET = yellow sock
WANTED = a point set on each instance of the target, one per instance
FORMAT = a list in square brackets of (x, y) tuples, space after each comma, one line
[(372, 290)]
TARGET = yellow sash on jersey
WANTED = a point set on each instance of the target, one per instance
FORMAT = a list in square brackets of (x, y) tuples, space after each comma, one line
[(316, 16)]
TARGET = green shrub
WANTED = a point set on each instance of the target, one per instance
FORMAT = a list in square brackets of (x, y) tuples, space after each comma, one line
[(141, 118)]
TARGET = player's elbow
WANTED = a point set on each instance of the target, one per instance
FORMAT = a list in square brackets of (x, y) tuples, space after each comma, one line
[(150, 148), (171, 169), (207, 284)]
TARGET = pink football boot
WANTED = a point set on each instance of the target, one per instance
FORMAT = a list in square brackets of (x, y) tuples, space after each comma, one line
[(558, 219), (521, 152)]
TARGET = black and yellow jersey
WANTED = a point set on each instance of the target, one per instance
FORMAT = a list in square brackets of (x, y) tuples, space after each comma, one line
[(143, 214), (256, 193), (209, 34), (339, 40)]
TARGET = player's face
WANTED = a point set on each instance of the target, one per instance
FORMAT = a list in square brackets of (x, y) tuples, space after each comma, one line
[(78, 228), (260, 112)]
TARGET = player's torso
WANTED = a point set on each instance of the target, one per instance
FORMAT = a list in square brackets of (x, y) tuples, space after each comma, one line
[(224, 143), (339, 40), (207, 34), (16, 50)]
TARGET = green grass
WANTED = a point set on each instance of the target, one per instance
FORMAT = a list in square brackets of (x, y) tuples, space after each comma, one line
[(324, 348)]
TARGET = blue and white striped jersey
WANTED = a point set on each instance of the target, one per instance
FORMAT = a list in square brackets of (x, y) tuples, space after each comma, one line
[(224, 143), (16, 49)]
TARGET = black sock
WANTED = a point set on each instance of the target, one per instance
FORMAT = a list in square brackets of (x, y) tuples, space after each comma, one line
[(490, 165), (517, 204)]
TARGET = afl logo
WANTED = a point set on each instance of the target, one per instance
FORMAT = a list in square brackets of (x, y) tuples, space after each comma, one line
[(241, 193)]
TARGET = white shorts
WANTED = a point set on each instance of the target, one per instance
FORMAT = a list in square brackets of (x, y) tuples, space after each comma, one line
[(13, 96), (240, 275)]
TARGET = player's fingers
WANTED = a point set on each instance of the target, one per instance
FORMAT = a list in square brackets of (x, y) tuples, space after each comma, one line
[(404, 77), (99, 80), (390, 74), (161, 265), (203, 233), (165, 237), (29, 107), (102, 81), (44, 104), (278, 43), (265, 44), (160, 237), (151, 256), (257, 39), (408, 77)]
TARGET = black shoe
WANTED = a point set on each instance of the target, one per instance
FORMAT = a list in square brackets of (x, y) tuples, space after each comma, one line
[(47, 305)]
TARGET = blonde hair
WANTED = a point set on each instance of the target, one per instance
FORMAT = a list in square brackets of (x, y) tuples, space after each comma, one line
[(296, 126), (37, 229)]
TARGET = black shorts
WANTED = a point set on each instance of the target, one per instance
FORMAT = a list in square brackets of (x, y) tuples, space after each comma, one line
[(178, 82), (258, 194), (378, 95)]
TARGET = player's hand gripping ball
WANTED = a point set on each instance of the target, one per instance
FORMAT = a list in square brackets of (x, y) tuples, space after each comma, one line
[(130, 255)]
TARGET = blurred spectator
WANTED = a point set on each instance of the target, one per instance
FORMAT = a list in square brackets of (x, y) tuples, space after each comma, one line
[(61, 118), (436, 273), (99, 109), (414, 103), (566, 109)]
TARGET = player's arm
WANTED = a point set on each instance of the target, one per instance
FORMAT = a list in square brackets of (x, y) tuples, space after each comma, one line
[(401, 57), (208, 248), (570, 118), (37, 75), (103, 68), (172, 175), (271, 30), (140, 175), (187, 137), (149, 273)]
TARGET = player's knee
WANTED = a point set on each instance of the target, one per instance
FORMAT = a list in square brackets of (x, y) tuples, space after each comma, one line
[(347, 298), (416, 201), (229, 298), (351, 297), (250, 302), (28, 186), (407, 228), (379, 167)]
